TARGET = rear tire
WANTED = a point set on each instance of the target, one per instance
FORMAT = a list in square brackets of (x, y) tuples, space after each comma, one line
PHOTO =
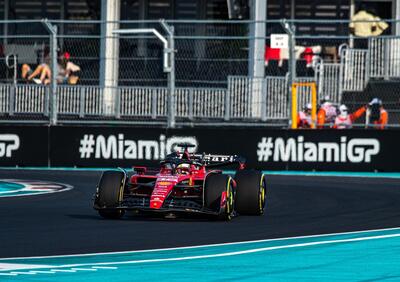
[(250, 192), (110, 193), (215, 185)]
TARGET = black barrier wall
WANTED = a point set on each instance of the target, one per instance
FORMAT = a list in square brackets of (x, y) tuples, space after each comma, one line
[(269, 149), (24, 146)]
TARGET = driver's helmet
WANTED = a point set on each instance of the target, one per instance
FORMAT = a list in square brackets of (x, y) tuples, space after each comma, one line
[(183, 168)]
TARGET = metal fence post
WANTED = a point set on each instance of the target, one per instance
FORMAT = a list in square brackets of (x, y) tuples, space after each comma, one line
[(289, 29), (117, 102), (191, 102), (171, 74), (228, 94), (153, 103), (386, 58), (47, 101), (12, 94), (264, 99), (367, 68), (52, 29), (81, 102), (341, 70)]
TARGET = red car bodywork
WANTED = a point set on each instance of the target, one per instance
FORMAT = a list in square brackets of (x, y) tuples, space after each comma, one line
[(177, 185), (184, 183), (165, 181)]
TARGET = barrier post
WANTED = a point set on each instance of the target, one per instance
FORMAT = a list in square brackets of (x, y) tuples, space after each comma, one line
[(227, 101), (170, 69), (191, 101), (52, 29), (289, 29), (12, 94), (153, 104), (117, 102)]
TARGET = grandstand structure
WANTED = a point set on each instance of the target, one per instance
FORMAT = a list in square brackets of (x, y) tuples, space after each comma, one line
[(222, 73)]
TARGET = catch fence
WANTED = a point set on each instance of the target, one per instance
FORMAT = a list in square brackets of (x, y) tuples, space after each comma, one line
[(212, 80)]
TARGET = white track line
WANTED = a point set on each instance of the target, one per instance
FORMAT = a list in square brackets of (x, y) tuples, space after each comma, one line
[(205, 246), (250, 251), (22, 273), (63, 270), (42, 272), (84, 269), (239, 252)]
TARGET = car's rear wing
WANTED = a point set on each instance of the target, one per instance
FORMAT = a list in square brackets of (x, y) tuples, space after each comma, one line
[(210, 160)]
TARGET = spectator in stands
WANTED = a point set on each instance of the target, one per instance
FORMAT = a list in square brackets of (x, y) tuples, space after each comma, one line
[(345, 120), (365, 24), (326, 114), (376, 114), (66, 72), (41, 74), (304, 118)]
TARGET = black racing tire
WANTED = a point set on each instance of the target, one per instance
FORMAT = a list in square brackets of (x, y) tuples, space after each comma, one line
[(109, 194), (214, 185), (250, 192)]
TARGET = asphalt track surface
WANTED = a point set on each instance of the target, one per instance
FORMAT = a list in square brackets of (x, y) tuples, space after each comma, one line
[(65, 223)]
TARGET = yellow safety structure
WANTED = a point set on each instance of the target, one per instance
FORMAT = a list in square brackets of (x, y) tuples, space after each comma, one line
[(313, 87)]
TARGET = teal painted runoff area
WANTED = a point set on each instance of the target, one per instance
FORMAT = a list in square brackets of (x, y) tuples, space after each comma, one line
[(356, 256)]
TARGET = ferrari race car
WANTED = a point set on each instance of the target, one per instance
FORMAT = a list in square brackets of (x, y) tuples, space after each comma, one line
[(184, 183)]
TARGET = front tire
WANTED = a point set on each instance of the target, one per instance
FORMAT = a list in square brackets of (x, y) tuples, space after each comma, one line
[(250, 192), (215, 185), (110, 193)]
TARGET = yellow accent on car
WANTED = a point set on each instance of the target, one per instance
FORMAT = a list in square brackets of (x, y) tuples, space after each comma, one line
[(229, 197), (262, 193)]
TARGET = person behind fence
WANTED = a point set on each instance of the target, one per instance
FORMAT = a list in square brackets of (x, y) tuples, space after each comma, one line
[(40, 75), (376, 114), (345, 120), (366, 24), (304, 118), (66, 72), (326, 114)]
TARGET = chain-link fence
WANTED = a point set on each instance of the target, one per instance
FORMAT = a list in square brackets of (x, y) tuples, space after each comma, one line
[(123, 76)]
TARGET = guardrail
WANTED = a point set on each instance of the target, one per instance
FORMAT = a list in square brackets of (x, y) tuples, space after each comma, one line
[(384, 57), (330, 79), (277, 92), (82, 100), (355, 69), (236, 102), (24, 99)]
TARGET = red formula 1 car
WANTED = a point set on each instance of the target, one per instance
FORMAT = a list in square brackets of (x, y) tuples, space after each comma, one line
[(184, 183)]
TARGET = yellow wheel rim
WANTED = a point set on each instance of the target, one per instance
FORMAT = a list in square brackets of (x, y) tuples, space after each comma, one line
[(229, 200), (262, 194)]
